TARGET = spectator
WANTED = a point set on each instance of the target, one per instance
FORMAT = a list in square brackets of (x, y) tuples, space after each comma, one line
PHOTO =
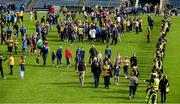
[(59, 56), (11, 63), (132, 85), (22, 68), (68, 56), (164, 87), (81, 70), (1, 67)]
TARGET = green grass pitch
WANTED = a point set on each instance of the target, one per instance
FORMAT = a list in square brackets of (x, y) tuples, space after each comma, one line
[(61, 85)]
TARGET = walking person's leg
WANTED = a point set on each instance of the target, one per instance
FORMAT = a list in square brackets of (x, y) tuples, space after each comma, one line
[(130, 91), (162, 97), (11, 70), (1, 70)]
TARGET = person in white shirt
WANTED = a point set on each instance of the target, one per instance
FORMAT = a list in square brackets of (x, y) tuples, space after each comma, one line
[(92, 34)]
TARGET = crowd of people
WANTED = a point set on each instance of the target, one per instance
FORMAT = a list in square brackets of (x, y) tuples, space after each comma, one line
[(100, 28), (159, 82)]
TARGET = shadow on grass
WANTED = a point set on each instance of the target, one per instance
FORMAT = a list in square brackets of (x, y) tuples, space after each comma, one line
[(115, 91), (12, 78), (71, 84)]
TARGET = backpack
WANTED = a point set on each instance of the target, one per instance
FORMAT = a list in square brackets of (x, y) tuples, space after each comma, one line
[(81, 66)]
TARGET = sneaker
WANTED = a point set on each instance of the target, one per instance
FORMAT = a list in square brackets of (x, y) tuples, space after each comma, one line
[(126, 76), (4, 78), (129, 97)]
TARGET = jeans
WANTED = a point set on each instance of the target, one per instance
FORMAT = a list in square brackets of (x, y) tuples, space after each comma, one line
[(125, 70), (68, 61), (163, 96), (132, 90), (81, 77), (24, 51), (1, 70), (59, 60), (44, 59), (11, 69), (96, 80), (106, 81)]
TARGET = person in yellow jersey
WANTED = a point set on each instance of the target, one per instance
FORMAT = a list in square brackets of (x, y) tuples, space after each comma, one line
[(21, 64), (126, 63), (106, 73), (11, 63)]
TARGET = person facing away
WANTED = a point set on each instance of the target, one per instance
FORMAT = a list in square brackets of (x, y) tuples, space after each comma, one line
[(68, 56), (133, 82), (11, 63), (81, 70), (53, 57), (108, 52), (59, 56), (133, 60)]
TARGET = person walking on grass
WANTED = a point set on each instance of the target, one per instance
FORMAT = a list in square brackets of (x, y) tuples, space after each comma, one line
[(148, 33), (164, 88), (81, 70), (106, 74), (133, 82), (53, 57), (44, 52), (96, 70), (21, 64), (11, 63), (133, 60), (59, 56), (68, 56), (116, 73), (1, 68), (126, 66)]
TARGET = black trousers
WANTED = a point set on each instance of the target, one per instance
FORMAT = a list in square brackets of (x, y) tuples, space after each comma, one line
[(80, 38), (96, 80), (11, 69), (106, 81), (2, 73), (148, 38), (132, 90), (163, 96), (114, 40)]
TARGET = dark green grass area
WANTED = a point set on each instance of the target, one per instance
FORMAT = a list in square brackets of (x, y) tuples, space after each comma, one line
[(61, 85)]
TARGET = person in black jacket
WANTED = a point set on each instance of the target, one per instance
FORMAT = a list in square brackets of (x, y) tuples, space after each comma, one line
[(1, 68), (133, 60), (163, 84), (96, 70), (93, 53), (81, 70)]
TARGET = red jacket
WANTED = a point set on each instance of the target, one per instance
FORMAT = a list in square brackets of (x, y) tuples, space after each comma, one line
[(68, 53)]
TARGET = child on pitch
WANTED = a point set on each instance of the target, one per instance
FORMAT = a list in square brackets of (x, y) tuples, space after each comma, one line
[(116, 73), (68, 56), (37, 59), (53, 57), (77, 60), (21, 64)]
